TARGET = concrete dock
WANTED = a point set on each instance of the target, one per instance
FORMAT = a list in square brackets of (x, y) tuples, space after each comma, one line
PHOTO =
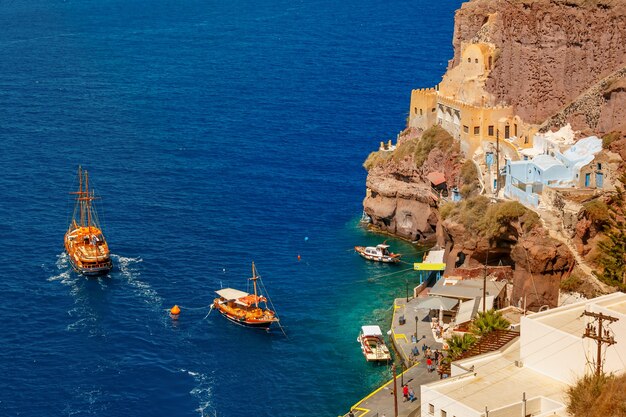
[(380, 402)]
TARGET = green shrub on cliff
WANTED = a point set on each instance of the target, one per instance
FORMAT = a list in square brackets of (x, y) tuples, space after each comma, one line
[(376, 158), (469, 178), (597, 211), (446, 209), (497, 220), (612, 249), (491, 220), (417, 148), (610, 138), (433, 137)]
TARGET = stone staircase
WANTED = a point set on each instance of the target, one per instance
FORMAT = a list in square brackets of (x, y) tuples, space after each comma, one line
[(554, 224)]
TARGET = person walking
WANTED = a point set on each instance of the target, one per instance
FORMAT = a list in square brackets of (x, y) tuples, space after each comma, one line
[(429, 364), (405, 393)]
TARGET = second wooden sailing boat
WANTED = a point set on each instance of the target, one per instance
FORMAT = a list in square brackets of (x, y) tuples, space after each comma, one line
[(85, 244), (243, 308)]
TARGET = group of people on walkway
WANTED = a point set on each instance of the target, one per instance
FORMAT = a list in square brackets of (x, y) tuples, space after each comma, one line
[(432, 359)]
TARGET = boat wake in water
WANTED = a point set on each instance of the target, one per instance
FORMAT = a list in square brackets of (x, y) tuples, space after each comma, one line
[(203, 391), (63, 270), (131, 274), (82, 311)]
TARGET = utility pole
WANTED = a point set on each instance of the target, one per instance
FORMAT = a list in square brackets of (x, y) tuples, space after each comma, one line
[(406, 281), (395, 391), (485, 283), (601, 336)]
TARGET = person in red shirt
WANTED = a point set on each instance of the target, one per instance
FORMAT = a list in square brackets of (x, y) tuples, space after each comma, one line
[(405, 392), (429, 364)]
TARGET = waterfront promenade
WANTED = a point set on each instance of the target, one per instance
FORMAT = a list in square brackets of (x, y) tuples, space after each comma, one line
[(380, 401)]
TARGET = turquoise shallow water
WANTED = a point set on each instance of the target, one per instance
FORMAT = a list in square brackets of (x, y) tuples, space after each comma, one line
[(217, 134)]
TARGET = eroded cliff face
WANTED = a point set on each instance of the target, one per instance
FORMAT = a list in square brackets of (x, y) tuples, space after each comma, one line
[(399, 197), (538, 262), (550, 54)]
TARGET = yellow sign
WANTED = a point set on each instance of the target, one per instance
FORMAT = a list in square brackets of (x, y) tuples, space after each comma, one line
[(429, 267)]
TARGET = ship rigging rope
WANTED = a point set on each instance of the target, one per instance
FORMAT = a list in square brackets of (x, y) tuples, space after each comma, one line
[(282, 329), (191, 308), (387, 275)]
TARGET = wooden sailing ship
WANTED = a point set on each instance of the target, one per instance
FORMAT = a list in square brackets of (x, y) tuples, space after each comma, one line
[(243, 308), (85, 244)]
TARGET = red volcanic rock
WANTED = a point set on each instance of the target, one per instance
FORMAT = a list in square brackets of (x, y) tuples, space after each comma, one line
[(538, 262), (399, 198), (550, 53), (404, 209)]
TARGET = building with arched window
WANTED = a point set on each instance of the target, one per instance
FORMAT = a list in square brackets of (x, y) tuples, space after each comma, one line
[(462, 106)]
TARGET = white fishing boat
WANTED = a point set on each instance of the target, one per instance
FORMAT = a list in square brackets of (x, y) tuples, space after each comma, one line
[(378, 253), (373, 344)]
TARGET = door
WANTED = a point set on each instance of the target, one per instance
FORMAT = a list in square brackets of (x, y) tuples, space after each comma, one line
[(599, 179), (587, 179)]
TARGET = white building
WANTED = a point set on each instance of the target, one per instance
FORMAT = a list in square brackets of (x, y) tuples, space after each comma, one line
[(550, 354)]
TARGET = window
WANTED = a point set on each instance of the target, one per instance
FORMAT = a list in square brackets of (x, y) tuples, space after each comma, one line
[(490, 129), (515, 129), (525, 139), (415, 110), (477, 130), (469, 60), (431, 409), (433, 110), (421, 112), (465, 129), (476, 60), (443, 414), (490, 62), (599, 166), (507, 132)]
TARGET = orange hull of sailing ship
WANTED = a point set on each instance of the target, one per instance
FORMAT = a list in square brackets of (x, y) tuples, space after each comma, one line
[(85, 244), (245, 309)]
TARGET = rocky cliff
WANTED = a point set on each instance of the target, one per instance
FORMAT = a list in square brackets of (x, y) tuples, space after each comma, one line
[(477, 232), (399, 197), (549, 54)]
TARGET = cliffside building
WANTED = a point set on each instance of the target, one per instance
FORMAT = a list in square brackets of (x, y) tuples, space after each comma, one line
[(462, 106), (530, 376), (525, 179)]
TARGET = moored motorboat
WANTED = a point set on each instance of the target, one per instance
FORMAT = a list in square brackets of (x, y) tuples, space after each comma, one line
[(85, 244), (378, 253), (373, 345), (243, 308)]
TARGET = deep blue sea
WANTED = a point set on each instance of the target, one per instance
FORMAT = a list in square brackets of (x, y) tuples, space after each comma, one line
[(216, 133)]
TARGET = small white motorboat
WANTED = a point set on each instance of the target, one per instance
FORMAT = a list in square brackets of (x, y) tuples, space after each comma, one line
[(378, 253), (373, 345)]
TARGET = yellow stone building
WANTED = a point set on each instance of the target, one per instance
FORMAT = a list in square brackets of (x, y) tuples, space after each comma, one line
[(462, 106)]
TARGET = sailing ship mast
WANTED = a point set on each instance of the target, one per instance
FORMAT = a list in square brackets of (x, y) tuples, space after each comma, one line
[(85, 198), (254, 278), (84, 241)]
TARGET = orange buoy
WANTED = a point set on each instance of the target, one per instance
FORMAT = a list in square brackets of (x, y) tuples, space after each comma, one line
[(174, 312), (298, 257)]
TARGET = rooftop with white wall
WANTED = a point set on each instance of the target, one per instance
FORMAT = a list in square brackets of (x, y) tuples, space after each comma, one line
[(550, 354)]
